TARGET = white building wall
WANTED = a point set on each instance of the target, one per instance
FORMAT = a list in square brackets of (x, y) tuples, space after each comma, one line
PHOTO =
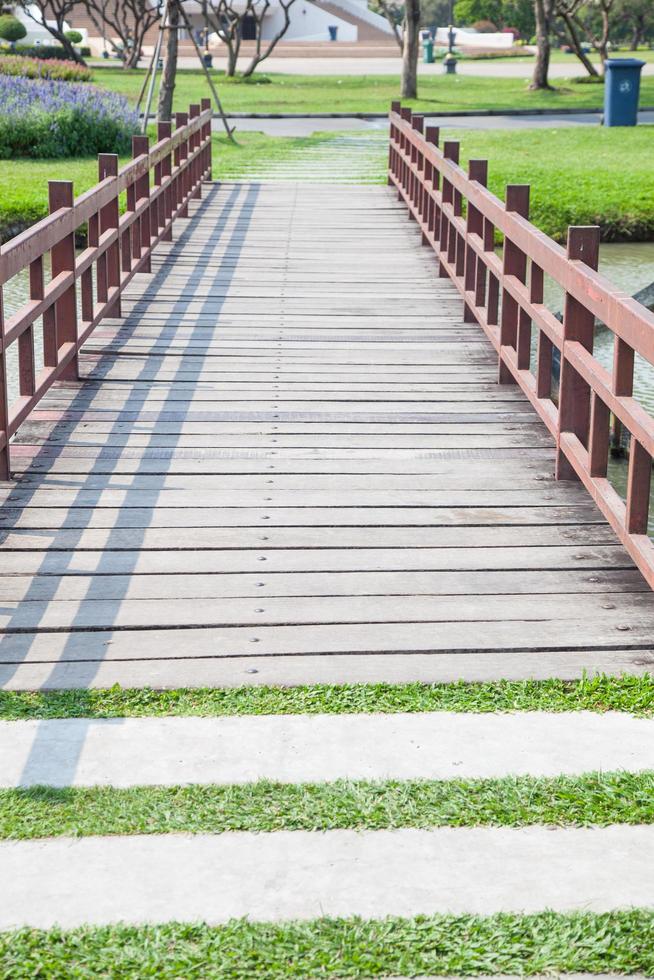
[(308, 23)]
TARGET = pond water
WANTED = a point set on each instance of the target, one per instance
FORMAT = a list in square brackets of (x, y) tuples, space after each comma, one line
[(630, 266)]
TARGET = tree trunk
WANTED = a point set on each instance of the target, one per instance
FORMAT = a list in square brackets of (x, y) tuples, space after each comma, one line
[(409, 88), (165, 108), (543, 14), (575, 44)]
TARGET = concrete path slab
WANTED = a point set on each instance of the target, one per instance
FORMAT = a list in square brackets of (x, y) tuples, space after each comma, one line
[(318, 748), (304, 875)]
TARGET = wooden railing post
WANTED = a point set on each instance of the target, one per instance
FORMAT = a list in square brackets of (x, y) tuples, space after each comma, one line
[(26, 368), (62, 257), (477, 170), (417, 123), (109, 219), (5, 450), (578, 327), (433, 214), (405, 113), (181, 155), (512, 326), (164, 130), (392, 162), (206, 137), (141, 147), (196, 166), (447, 242)]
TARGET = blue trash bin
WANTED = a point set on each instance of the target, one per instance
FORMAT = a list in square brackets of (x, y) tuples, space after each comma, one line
[(621, 91), (333, 32)]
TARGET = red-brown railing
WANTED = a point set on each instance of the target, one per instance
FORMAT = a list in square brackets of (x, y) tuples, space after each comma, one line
[(117, 245), (504, 295)]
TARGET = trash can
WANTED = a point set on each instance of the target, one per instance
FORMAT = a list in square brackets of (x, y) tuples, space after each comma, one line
[(207, 59), (621, 90), (449, 64), (333, 32), (428, 51)]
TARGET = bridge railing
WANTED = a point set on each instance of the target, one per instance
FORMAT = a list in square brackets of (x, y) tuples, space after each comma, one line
[(83, 288), (504, 294)]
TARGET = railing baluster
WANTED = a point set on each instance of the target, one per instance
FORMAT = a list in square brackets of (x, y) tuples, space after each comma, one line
[(26, 370), (181, 155), (141, 146), (477, 171), (446, 242), (515, 333), (164, 130), (433, 216), (638, 488), (5, 449), (196, 175), (109, 217), (579, 327), (62, 256), (206, 136), (392, 156)]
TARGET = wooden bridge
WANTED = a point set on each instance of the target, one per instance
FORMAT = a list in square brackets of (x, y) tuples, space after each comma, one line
[(272, 446)]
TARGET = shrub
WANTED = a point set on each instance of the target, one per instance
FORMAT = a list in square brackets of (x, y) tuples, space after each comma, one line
[(74, 37), (48, 119), (512, 30), (11, 28), (485, 27), (49, 51), (61, 71)]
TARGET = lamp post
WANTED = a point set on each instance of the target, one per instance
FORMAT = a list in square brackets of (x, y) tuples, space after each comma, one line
[(449, 61)]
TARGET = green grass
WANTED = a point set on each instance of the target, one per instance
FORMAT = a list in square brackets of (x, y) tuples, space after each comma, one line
[(578, 176), (594, 799), (602, 693), (581, 176), (369, 93), (547, 942)]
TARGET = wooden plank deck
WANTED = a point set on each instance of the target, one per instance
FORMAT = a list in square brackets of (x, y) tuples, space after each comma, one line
[(290, 462)]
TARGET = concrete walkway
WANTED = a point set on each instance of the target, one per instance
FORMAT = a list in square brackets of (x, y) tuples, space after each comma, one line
[(319, 748), (304, 875)]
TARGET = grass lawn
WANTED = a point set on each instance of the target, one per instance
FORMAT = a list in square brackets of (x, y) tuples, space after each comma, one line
[(276, 93), (581, 175), (440, 945), (578, 176), (602, 693), (593, 799)]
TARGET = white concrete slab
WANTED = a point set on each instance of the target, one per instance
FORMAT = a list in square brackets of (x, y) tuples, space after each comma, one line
[(303, 875), (315, 748)]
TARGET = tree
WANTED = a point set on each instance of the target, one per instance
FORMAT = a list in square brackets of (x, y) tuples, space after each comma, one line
[(394, 14), (504, 13), (411, 38), (11, 29), (595, 18), (227, 18), (168, 78), (637, 20), (128, 20), (75, 37), (53, 17), (544, 16), (567, 10)]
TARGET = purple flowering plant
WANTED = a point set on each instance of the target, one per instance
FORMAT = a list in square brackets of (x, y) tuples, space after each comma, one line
[(44, 118)]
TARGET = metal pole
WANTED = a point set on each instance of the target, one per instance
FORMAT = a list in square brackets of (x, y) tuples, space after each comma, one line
[(228, 129), (155, 63)]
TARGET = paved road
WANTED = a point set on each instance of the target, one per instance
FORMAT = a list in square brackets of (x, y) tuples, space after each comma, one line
[(391, 66), (305, 126)]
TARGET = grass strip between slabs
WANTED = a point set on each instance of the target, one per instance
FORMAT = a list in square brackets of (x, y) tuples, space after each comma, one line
[(628, 693), (594, 799), (546, 942)]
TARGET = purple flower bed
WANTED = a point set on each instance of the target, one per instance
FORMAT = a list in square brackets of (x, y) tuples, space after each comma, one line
[(45, 118)]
